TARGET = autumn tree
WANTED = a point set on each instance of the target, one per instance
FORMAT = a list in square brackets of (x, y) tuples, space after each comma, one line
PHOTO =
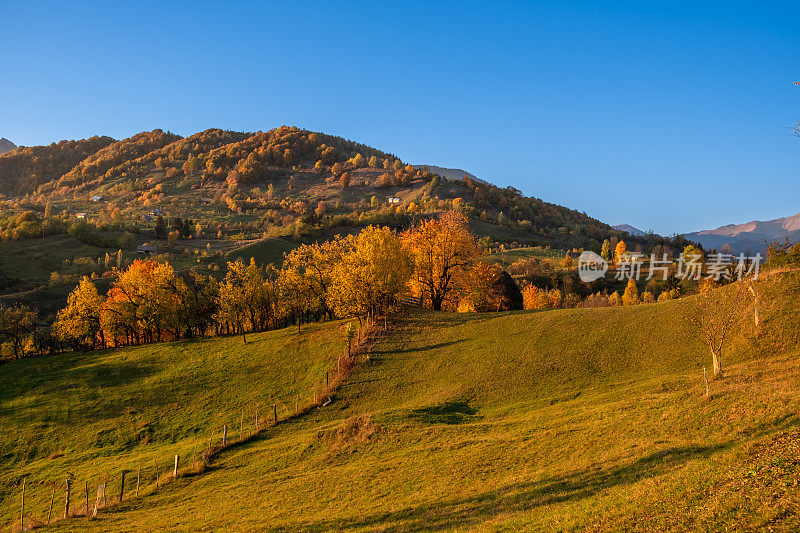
[(79, 322), (620, 252), (442, 249), (717, 315), (373, 269), (16, 322), (631, 294), (197, 301), (605, 251), (141, 305), (479, 282), (305, 276), (344, 180), (247, 298)]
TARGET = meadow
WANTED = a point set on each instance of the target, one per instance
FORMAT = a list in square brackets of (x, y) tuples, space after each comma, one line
[(571, 419)]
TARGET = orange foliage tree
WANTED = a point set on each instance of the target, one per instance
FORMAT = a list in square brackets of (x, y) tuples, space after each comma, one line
[(442, 250)]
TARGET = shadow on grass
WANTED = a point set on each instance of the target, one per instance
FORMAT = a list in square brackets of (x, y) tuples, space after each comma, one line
[(473, 510), (453, 412), (383, 353), (117, 373)]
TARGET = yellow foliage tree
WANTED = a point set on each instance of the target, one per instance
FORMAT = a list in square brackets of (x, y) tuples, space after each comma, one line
[(442, 249), (620, 252), (79, 322), (631, 294), (372, 271)]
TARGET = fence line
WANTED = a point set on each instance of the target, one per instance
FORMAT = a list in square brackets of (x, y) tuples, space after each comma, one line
[(323, 391)]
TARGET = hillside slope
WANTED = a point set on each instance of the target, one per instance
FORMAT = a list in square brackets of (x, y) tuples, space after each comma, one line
[(566, 419), (269, 182), (92, 414)]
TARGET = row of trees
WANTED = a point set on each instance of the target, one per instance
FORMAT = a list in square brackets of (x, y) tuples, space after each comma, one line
[(354, 276)]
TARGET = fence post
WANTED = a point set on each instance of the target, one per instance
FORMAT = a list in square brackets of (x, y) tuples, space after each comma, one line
[(155, 464), (52, 497), (100, 490), (67, 498), (224, 434), (175, 470), (326, 379), (22, 509), (105, 495), (122, 486), (86, 493), (138, 478), (275, 409)]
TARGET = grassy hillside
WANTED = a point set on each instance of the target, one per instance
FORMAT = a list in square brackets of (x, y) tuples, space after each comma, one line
[(95, 413), (565, 419)]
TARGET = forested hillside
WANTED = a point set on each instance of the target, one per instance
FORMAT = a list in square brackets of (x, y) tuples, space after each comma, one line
[(282, 182)]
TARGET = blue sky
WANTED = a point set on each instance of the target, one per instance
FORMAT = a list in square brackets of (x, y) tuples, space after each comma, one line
[(671, 116)]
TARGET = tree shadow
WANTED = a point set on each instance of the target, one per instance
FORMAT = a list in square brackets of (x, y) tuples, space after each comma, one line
[(517, 497), (384, 353), (452, 412), (115, 374)]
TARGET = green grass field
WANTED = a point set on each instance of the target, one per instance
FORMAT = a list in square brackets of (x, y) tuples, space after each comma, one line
[(527, 252), (265, 252), (569, 419), (93, 414)]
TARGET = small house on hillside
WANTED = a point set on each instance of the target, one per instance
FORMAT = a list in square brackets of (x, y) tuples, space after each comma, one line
[(146, 249), (393, 200), (80, 215), (96, 198)]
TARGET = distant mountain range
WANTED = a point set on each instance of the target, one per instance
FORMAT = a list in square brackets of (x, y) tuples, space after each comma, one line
[(630, 229), (751, 236), (6, 145)]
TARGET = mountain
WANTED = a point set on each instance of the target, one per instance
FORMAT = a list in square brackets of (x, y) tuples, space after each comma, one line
[(630, 229), (6, 145), (751, 236), (285, 182), (450, 173)]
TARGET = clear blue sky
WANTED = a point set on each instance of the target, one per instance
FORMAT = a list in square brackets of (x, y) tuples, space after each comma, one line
[(671, 116)]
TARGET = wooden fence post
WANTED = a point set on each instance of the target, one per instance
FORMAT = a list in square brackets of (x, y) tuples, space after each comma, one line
[(52, 497), (67, 498), (275, 409), (122, 486), (22, 508), (105, 494), (175, 470), (224, 434), (326, 379), (97, 500), (138, 478), (155, 464), (86, 493)]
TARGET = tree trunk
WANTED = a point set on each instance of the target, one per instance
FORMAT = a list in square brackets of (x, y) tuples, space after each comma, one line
[(717, 359)]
